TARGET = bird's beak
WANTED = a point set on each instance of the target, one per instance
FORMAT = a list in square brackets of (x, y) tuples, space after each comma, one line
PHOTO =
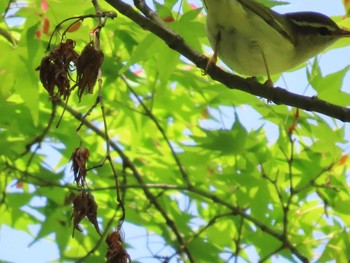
[(344, 33)]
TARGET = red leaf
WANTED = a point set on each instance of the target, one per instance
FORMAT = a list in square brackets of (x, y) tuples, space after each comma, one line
[(44, 5), (168, 19), (138, 72), (46, 26), (346, 2), (193, 6), (343, 159), (205, 113), (19, 185), (292, 127), (38, 34)]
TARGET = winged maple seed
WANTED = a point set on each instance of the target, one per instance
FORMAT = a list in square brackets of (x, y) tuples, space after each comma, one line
[(84, 205), (88, 66), (54, 69), (79, 158), (116, 252)]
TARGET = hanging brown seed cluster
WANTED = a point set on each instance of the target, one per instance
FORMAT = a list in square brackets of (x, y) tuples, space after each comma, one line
[(79, 159), (116, 252), (88, 65), (84, 205), (56, 67)]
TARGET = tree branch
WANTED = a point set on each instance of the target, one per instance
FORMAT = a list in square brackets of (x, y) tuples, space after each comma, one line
[(161, 130), (276, 94)]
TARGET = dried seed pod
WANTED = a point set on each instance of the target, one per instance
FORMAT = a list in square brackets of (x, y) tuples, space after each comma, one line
[(116, 252), (88, 65), (84, 205), (79, 210), (92, 212), (54, 69), (79, 158), (47, 74)]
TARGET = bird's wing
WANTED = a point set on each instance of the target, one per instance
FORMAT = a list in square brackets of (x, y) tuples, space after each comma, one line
[(268, 16)]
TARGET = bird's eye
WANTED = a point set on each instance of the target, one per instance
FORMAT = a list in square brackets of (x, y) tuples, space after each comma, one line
[(324, 31)]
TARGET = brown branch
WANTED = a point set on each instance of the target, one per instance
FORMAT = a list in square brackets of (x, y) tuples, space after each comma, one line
[(277, 95)]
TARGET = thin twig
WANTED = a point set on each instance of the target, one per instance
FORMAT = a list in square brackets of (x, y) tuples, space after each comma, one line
[(109, 14), (39, 139), (101, 101), (313, 180), (271, 254), (211, 222), (161, 130), (238, 240), (97, 101)]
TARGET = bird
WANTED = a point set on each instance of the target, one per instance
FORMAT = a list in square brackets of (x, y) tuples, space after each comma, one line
[(255, 40)]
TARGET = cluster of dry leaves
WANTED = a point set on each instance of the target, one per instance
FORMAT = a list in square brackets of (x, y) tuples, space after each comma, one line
[(79, 159), (84, 205), (55, 69), (116, 252)]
